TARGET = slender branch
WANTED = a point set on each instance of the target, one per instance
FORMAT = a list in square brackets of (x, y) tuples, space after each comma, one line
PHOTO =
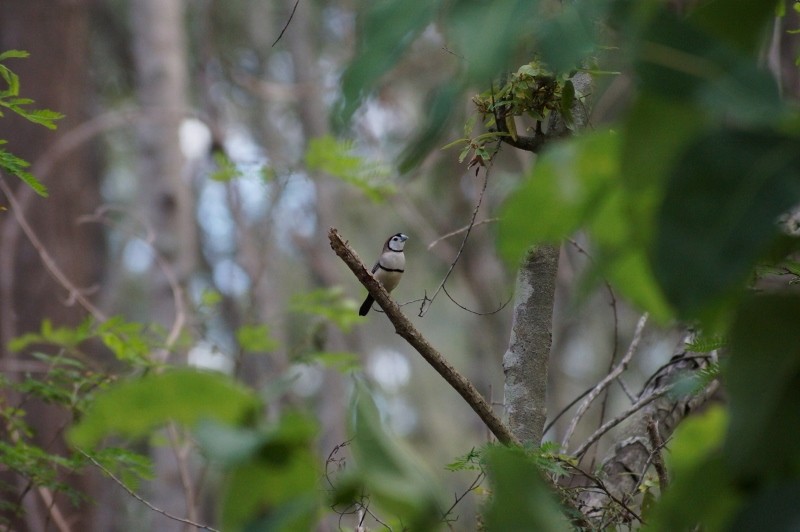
[(461, 230), (615, 346), (424, 308), (458, 498), (285, 26), (603, 384), (181, 450), (658, 462), (620, 418), (52, 509), (143, 500), (602, 487), (406, 330), (101, 216), (48, 261)]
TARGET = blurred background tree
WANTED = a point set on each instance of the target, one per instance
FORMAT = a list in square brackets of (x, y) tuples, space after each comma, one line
[(207, 148)]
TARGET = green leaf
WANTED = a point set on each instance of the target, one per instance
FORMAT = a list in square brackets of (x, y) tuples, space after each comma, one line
[(707, 344), (68, 337), (128, 340), (273, 484), (775, 507), (389, 472), (226, 169), (563, 191), (742, 23), (386, 28), (16, 166), (701, 490), (331, 304), (134, 408), (340, 361), (706, 496), (439, 112), (718, 213), (630, 272), (474, 29), (681, 62), (256, 338), (338, 159), (228, 445), (9, 54), (131, 467), (763, 380), (570, 37), (696, 439), (520, 500)]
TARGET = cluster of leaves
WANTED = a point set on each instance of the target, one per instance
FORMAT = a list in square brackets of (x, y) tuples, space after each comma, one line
[(11, 100), (338, 159), (680, 198), (64, 377), (533, 92)]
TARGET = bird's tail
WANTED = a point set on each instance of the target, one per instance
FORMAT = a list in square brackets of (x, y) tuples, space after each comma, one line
[(366, 306)]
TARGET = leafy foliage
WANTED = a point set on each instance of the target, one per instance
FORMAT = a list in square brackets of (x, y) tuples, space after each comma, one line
[(336, 158), (392, 475), (520, 500), (64, 378), (11, 101), (255, 338), (184, 396), (680, 198)]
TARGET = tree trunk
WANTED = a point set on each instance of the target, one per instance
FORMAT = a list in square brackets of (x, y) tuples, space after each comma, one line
[(528, 356), (160, 60), (55, 32), (526, 361)]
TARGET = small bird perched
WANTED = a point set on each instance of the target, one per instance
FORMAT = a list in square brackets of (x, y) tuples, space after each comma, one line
[(389, 267)]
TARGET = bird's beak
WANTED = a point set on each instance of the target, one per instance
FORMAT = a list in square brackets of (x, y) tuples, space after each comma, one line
[(403, 237)]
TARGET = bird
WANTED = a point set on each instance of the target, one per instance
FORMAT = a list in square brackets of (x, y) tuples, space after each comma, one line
[(388, 268)]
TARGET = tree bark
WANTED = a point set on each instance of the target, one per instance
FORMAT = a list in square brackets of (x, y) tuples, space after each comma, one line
[(56, 76), (630, 458), (526, 360), (160, 59)]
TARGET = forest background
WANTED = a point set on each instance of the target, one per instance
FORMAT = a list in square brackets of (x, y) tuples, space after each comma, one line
[(176, 219)]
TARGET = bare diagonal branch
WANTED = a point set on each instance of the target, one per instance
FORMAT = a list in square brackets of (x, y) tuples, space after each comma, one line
[(406, 330)]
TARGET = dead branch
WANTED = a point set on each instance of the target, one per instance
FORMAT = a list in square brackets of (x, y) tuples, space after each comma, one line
[(407, 331), (603, 384), (143, 500)]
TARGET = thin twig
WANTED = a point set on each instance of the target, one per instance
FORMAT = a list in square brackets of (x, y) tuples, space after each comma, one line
[(52, 508), (462, 307), (458, 498), (181, 451), (608, 425), (615, 346), (406, 330), (101, 216), (603, 384), (626, 390), (658, 463), (48, 261), (565, 410), (461, 230), (143, 500), (602, 487), (423, 309), (291, 16)]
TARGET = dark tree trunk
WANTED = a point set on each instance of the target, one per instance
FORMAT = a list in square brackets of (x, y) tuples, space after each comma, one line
[(55, 32)]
